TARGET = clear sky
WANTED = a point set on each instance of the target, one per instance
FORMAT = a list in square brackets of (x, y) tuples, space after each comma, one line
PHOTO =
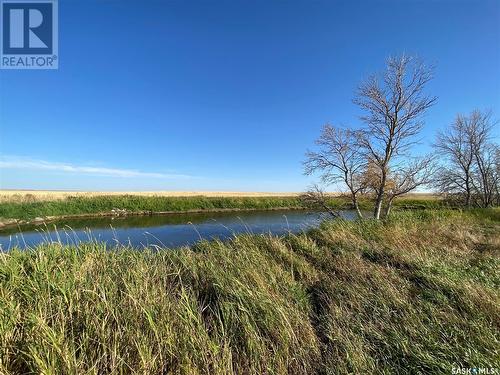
[(225, 95)]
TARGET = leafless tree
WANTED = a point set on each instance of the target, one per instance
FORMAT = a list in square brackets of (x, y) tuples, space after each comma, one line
[(469, 159), (339, 160), (484, 155), (393, 105), (455, 176), (486, 177)]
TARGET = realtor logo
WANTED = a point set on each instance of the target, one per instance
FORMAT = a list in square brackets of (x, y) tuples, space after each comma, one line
[(29, 34)]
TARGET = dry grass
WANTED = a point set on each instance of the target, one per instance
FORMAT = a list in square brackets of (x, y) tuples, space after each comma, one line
[(50, 195)]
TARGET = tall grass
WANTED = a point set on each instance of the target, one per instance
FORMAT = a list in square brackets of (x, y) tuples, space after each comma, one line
[(135, 203), (416, 294)]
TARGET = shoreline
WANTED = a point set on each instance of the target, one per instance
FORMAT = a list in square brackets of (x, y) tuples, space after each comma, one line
[(32, 212), (9, 223)]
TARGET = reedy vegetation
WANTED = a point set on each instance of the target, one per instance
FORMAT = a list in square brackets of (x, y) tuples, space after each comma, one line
[(416, 293), (27, 208)]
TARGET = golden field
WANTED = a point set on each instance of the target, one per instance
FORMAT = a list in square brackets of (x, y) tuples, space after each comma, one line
[(51, 195)]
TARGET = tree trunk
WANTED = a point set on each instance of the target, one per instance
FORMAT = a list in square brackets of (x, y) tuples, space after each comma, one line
[(356, 207), (354, 200), (388, 208), (378, 206), (380, 193), (467, 193)]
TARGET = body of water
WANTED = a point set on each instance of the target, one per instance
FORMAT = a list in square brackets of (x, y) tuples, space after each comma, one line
[(172, 230)]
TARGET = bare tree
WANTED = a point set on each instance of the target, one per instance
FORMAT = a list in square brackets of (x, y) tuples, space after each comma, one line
[(484, 155), (338, 160), (486, 176), (393, 106), (470, 167), (455, 144)]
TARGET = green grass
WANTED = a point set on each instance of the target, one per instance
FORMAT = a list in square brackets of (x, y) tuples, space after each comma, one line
[(135, 203), (416, 294), (29, 210), (403, 203)]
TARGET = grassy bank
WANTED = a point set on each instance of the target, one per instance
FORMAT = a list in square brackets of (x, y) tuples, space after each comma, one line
[(31, 208), (418, 294), (27, 210)]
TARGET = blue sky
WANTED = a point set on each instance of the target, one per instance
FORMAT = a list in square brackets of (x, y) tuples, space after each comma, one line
[(225, 95)]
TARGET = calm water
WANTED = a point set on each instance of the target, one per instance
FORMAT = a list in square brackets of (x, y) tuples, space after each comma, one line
[(164, 230)]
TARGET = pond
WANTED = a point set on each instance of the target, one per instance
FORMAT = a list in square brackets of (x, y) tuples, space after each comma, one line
[(172, 230)]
